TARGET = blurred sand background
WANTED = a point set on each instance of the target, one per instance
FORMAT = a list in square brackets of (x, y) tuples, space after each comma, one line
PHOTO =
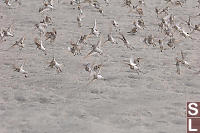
[(47, 102)]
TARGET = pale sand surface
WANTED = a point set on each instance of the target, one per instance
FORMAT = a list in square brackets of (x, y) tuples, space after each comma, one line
[(47, 102)]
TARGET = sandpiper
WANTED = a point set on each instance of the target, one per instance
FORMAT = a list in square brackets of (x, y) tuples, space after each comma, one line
[(126, 42), (94, 29), (165, 10), (160, 42), (168, 32), (88, 67), (197, 15), (198, 4), (95, 75), (20, 69), (157, 11), (19, 43), (96, 48), (47, 20), (196, 28), (150, 40), (39, 45), (128, 3), (161, 26), (7, 32), (111, 39), (134, 64), (133, 31), (7, 2), (41, 27), (97, 5), (107, 2), (51, 2), (139, 24), (101, 11), (79, 18), (185, 34), (76, 48), (178, 71), (46, 6), (73, 2), (182, 32), (165, 22), (160, 11), (178, 3), (141, 2), (2, 37), (83, 39), (55, 64), (168, 20), (171, 42), (189, 24), (97, 67), (116, 25), (139, 11), (51, 35), (92, 67), (183, 61), (177, 27), (172, 19)]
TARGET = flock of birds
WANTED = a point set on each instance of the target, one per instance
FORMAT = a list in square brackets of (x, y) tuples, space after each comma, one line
[(167, 26)]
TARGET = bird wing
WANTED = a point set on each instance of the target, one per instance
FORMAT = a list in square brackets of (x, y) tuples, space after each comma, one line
[(91, 81), (123, 37), (178, 66), (50, 2), (132, 61), (126, 43), (99, 44), (182, 55), (22, 66), (22, 40), (95, 24), (92, 73), (15, 67), (54, 31), (37, 42), (6, 1), (89, 54), (9, 28), (16, 43)]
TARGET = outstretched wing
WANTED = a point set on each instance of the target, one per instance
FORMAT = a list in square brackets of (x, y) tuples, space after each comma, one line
[(89, 54), (178, 71), (22, 40), (182, 56), (132, 61)]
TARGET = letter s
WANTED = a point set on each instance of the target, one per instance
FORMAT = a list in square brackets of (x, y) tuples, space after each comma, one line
[(193, 108)]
